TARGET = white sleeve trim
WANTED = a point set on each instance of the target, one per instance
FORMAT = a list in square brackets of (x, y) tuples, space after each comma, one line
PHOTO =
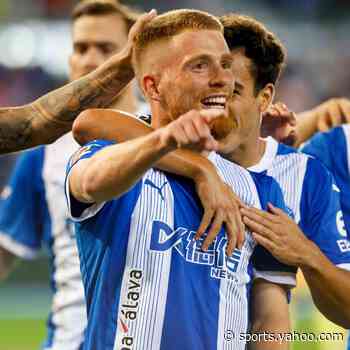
[(344, 266), (17, 248), (88, 212), (286, 278)]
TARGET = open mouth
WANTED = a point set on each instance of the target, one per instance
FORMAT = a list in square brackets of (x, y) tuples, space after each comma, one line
[(214, 102)]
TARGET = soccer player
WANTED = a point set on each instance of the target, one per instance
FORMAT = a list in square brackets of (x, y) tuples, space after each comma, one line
[(333, 149), (315, 245), (52, 115), (308, 189), (33, 210), (146, 278)]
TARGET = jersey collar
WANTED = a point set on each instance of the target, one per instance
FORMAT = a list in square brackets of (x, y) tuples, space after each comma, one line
[(268, 156)]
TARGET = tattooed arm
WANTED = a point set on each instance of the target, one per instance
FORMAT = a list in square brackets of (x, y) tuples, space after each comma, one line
[(52, 115)]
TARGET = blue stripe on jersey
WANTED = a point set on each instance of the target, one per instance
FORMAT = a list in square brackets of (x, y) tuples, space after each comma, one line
[(196, 326), (102, 267), (326, 227), (269, 191), (284, 149), (22, 216), (331, 149)]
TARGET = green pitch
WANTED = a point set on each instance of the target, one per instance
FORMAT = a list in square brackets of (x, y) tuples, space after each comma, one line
[(21, 334)]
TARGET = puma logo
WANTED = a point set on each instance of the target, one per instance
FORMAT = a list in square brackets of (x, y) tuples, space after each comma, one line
[(159, 189)]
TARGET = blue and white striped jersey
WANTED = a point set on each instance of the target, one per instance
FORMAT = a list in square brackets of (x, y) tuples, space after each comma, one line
[(332, 148), (148, 285), (312, 198), (33, 213)]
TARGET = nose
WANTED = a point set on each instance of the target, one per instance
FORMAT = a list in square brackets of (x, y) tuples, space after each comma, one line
[(222, 78), (92, 59)]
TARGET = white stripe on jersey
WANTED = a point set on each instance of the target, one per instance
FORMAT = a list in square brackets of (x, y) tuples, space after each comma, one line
[(234, 316), (68, 305), (346, 130), (289, 171), (146, 329)]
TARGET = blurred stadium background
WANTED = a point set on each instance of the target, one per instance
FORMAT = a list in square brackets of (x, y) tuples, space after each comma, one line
[(35, 43)]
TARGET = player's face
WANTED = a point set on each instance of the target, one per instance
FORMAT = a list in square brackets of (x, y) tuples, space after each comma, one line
[(198, 75), (95, 39), (244, 105)]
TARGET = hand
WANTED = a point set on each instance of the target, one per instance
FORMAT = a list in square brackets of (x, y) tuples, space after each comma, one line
[(192, 131), (138, 27), (332, 113), (221, 206), (279, 122), (279, 234)]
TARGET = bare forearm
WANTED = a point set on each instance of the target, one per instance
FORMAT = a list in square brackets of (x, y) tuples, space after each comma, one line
[(306, 126), (120, 127), (117, 168), (329, 286), (269, 315), (52, 115)]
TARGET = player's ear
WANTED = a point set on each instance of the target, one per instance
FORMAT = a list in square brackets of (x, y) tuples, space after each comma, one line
[(266, 96), (150, 87)]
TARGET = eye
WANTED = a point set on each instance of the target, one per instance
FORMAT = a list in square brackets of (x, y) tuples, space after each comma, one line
[(200, 66), (227, 64), (107, 49), (80, 48)]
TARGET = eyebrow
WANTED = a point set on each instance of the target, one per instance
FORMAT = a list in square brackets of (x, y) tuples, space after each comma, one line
[(196, 58), (227, 56), (95, 42)]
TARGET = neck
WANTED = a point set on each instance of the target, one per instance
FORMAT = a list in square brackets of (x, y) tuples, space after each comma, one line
[(126, 101), (248, 153), (160, 117)]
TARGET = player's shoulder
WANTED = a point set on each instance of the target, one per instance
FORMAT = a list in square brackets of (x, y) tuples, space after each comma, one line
[(289, 157), (87, 151), (31, 159), (63, 146), (333, 138), (308, 164)]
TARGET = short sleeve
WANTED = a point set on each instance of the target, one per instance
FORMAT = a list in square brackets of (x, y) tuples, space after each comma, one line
[(321, 214), (23, 207), (265, 265), (79, 211)]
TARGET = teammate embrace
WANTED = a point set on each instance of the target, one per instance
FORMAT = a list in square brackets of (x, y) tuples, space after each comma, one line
[(184, 224)]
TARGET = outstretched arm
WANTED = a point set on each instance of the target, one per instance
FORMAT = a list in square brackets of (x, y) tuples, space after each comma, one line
[(323, 117), (113, 170), (220, 204), (52, 115), (294, 129)]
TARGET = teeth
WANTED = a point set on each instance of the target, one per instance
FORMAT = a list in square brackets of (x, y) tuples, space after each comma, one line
[(214, 107), (216, 100)]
